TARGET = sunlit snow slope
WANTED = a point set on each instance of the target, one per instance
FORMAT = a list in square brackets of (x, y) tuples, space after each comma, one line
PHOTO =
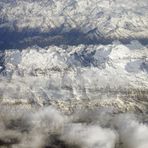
[(74, 73), (94, 72)]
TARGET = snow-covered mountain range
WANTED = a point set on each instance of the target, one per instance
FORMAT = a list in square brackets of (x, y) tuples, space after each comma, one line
[(88, 50), (84, 72), (74, 73), (46, 22)]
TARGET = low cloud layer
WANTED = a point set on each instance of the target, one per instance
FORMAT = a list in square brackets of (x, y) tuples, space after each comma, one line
[(48, 127)]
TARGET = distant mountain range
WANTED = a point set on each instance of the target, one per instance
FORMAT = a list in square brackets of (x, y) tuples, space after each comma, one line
[(25, 23)]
